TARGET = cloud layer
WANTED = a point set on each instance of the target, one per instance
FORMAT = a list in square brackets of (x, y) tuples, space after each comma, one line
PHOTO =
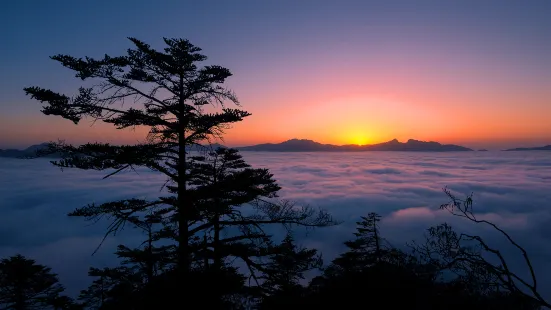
[(513, 189)]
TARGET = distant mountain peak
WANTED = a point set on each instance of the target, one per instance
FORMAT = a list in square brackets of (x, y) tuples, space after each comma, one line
[(542, 148), (420, 141), (28, 152), (299, 140)]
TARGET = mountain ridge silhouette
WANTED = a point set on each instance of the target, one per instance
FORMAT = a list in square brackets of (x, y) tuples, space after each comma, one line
[(306, 145), (540, 148)]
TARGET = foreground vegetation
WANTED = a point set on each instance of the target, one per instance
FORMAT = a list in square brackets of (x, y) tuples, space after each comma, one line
[(446, 271), (207, 238)]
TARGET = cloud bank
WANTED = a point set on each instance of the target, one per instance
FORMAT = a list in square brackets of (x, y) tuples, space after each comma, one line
[(512, 189)]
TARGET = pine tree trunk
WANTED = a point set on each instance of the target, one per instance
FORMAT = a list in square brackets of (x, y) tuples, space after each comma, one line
[(217, 261), (216, 245), (19, 298), (377, 244), (150, 261), (183, 235)]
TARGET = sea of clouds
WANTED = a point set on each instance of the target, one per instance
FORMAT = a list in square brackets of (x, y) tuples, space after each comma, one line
[(512, 189)]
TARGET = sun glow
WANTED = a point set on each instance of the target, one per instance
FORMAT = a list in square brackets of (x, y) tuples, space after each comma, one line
[(359, 139)]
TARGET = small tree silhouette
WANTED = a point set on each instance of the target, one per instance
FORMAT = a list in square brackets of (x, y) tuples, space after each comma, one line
[(283, 273), (27, 285), (367, 249)]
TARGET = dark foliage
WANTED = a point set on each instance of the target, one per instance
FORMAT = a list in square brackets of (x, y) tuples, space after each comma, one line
[(370, 273), (27, 285), (374, 274)]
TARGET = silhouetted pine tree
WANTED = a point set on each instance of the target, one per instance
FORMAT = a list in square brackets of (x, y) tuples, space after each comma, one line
[(183, 106), (283, 273), (367, 249), (169, 94), (27, 285), (222, 182), (235, 203)]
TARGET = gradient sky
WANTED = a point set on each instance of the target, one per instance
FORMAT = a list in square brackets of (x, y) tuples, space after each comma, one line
[(470, 72)]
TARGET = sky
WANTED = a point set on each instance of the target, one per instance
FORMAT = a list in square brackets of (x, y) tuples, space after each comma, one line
[(475, 73)]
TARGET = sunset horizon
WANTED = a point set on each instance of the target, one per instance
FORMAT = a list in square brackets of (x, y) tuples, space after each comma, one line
[(275, 154), (491, 145), (357, 78)]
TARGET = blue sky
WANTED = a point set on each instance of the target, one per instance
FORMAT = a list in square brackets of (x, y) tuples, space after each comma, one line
[(291, 54)]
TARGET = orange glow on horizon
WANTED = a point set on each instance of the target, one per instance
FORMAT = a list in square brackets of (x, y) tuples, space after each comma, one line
[(348, 120), (423, 108), (347, 90)]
